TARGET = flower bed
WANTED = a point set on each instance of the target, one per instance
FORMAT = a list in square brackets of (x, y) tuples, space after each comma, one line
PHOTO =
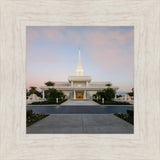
[(129, 116), (34, 117)]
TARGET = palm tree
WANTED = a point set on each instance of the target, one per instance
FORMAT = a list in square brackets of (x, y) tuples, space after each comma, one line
[(49, 83), (109, 85), (32, 90), (132, 90), (27, 93), (52, 94), (131, 93)]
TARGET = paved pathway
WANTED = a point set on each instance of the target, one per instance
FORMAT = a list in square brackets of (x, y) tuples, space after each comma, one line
[(79, 102), (81, 123)]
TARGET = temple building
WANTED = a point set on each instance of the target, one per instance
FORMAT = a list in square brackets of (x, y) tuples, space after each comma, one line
[(78, 86)]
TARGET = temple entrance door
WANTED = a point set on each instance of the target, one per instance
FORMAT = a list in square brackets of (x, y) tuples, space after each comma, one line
[(79, 95)]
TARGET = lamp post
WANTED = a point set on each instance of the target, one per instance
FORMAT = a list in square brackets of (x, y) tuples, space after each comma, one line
[(43, 95), (56, 100), (103, 100)]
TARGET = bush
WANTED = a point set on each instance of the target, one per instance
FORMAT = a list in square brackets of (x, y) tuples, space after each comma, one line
[(52, 94), (49, 83), (49, 102), (108, 94), (34, 117), (129, 116), (116, 103), (112, 102), (130, 113), (29, 113), (45, 102)]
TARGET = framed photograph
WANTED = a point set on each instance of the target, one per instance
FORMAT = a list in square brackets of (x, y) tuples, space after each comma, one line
[(79, 80), (93, 95)]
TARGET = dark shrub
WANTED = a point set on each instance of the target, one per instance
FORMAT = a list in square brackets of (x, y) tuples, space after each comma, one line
[(52, 94), (34, 117), (112, 102), (126, 116), (130, 113), (49, 102), (49, 83), (108, 94), (29, 113)]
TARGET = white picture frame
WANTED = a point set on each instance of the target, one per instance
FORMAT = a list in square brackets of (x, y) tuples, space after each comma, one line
[(15, 144)]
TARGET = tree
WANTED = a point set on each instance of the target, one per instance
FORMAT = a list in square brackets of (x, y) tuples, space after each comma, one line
[(27, 93), (52, 94), (94, 96), (108, 94), (131, 93), (100, 94), (60, 95), (109, 85), (49, 83), (33, 90), (118, 96), (132, 90)]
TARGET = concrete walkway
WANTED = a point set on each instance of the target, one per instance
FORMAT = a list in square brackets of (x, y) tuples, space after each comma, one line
[(79, 102), (81, 123)]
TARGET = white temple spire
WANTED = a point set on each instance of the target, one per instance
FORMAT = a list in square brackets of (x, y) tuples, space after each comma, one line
[(79, 70)]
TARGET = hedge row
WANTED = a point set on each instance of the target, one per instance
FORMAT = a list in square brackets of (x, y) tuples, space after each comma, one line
[(130, 113), (112, 103), (29, 113), (49, 102)]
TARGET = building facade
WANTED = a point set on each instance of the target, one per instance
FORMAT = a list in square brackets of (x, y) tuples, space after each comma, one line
[(125, 98), (78, 86)]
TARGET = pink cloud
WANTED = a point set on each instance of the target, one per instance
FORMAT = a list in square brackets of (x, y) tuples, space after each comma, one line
[(112, 60), (97, 38)]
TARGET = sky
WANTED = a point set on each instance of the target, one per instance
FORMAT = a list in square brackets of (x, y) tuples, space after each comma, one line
[(107, 54)]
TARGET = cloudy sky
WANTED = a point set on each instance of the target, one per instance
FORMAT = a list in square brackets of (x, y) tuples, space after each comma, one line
[(107, 54)]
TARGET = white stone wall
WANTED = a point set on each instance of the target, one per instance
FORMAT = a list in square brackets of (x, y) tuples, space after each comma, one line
[(90, 94), (67, 93), (61, 84), (79, 84), (31, 101)]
